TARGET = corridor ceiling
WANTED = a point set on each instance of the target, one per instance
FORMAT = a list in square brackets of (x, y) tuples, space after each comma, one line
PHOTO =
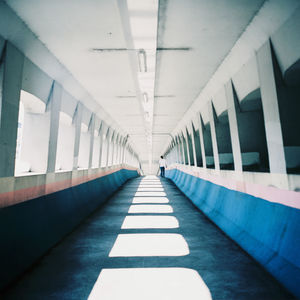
[(99, 43)]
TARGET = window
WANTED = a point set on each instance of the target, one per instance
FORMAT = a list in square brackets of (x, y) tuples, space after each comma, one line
[(65, 143), (33, 135)]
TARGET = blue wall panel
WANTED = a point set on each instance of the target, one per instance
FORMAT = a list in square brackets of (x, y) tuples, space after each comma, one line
[(269, 232), (29, 229)]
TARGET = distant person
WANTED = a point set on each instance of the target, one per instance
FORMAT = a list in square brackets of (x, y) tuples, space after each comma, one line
[(162, 164)]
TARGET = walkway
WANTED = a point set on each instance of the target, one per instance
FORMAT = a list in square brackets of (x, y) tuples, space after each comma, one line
[(147, 242)]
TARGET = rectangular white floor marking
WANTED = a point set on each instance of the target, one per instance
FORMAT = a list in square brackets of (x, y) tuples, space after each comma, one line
[(136, 222), (150, 189), (150, 194), (141, 209), (150, 200), (150, 284), (149, 244), (150, 186)]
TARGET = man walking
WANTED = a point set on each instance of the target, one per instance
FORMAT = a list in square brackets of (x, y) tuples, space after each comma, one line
[(162, 164)]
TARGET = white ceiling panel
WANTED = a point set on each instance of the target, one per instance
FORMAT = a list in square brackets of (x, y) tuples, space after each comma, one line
[(89, 38)]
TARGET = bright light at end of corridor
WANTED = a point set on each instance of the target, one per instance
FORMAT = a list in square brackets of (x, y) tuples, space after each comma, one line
[(149, 244), (150, 284), (135, 222)]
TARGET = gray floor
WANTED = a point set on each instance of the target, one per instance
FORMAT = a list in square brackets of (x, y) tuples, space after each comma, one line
[(69, 270)]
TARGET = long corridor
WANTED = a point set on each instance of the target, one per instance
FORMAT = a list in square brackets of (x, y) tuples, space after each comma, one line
[(147, 242)]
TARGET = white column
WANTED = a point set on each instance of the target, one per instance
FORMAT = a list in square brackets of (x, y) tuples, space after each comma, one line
[(182, 149), (108, 134), (179, 149), (269, 100), (54, 107), (201, 140), (187, 145), (176, 150), (101, 144), (123, 152), (193, 144), (213, 135), (9, 108), (125, 160), (233, 126), (118, 150), (113, 148), (77, 123), (92, 137)]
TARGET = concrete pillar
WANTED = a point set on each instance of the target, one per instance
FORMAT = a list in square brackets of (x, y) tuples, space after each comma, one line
[(184, 159), (108, 141), (176, 151), (181, 150), (180, 160), (269, 100), (101, 146), (122, 159), (54, 108), (193, 145), (187, 145), (212, 120), (129, 156), (172, 153), (9, 108), (167, 156), (119, 150), (200, 123), (92, 136), (113, 148), (233, 126), (77, 123), (107, 152), (125, 158)]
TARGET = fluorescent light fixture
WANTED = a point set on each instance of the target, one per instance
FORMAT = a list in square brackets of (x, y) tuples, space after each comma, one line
[(142, 60)]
